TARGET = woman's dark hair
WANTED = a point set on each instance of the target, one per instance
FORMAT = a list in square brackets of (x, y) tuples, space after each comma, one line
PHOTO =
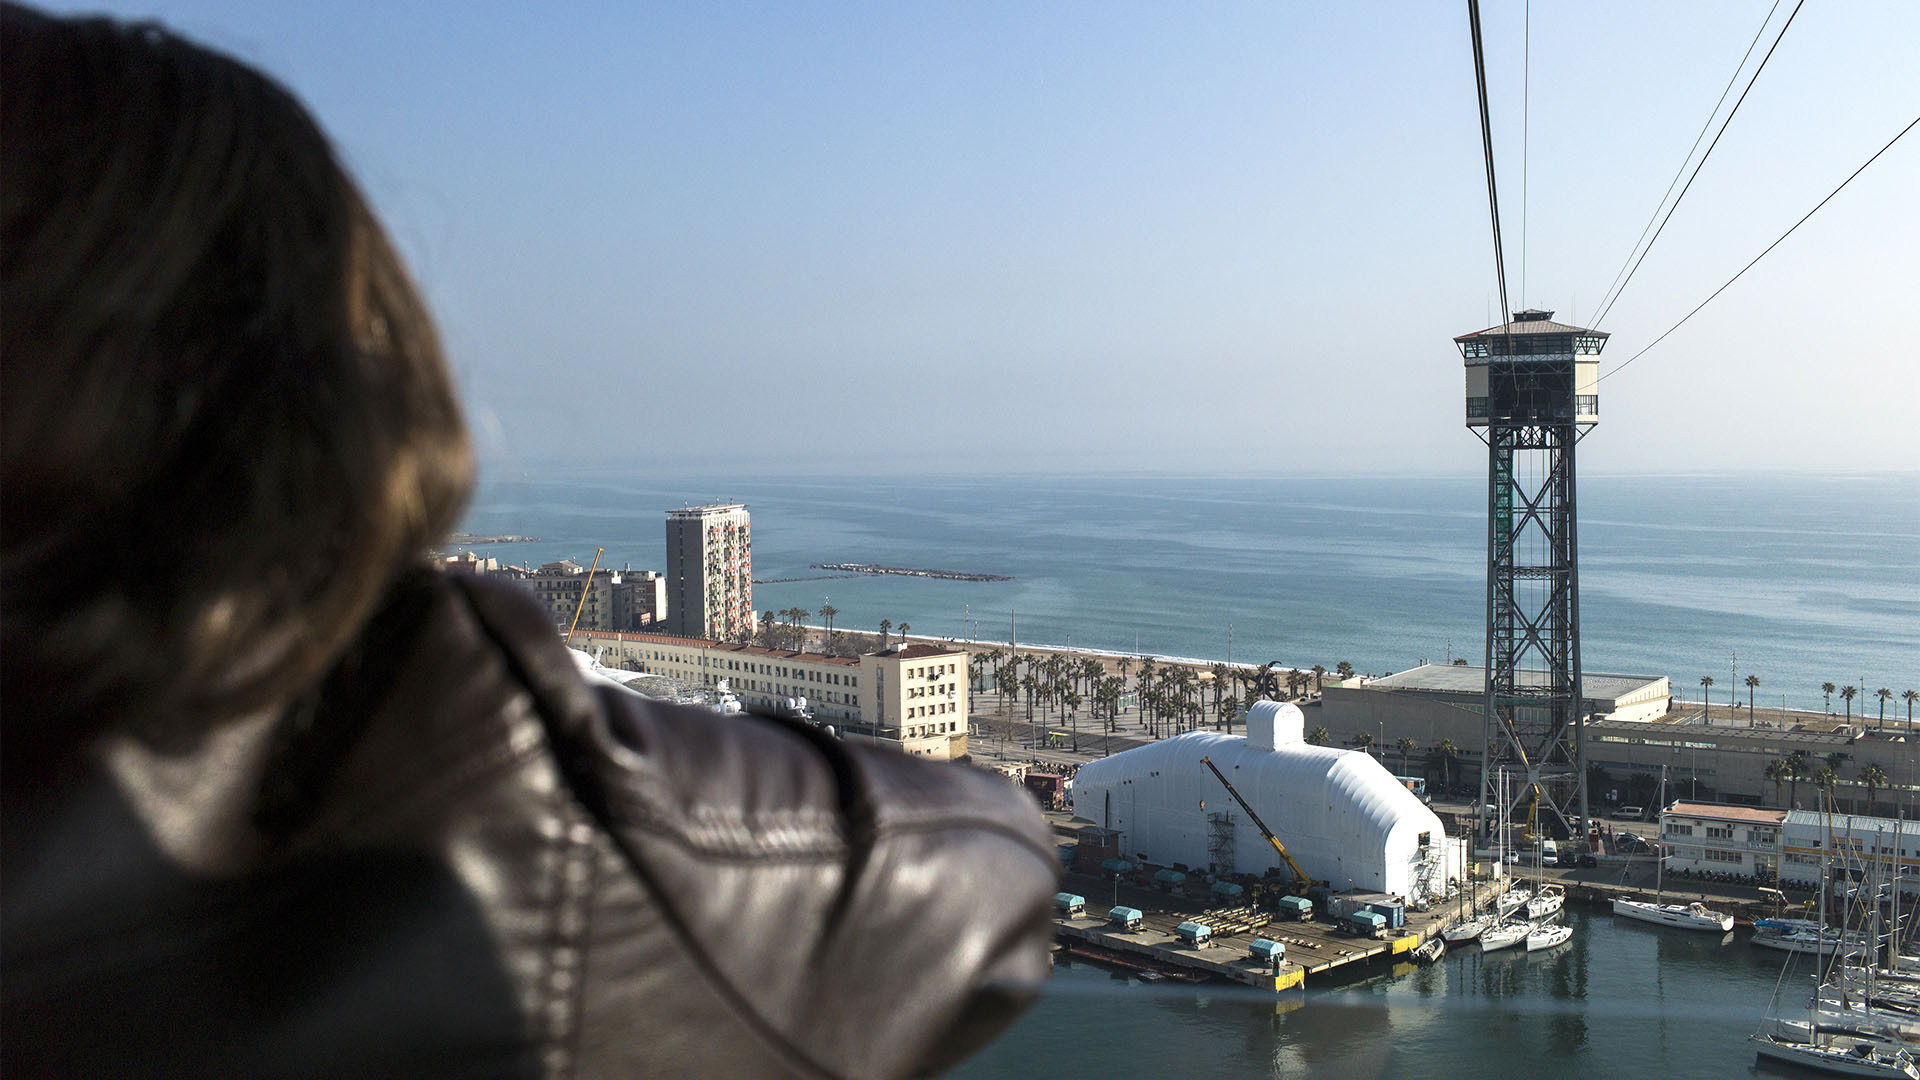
[(225, 422)]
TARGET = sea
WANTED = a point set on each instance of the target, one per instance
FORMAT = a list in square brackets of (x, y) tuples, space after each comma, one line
[(1794, 579), (1797, 580)]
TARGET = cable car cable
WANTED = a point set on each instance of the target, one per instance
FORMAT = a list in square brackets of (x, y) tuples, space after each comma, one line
[(1770, 247), (1598, 319), (1677, 173)]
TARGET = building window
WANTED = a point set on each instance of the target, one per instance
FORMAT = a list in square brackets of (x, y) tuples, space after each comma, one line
[(1719, 832)]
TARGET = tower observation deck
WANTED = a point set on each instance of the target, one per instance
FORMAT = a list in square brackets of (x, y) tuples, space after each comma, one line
[(1532, 393)]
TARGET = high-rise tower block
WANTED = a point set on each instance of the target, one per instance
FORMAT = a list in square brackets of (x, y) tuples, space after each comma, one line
[(1532, 393)]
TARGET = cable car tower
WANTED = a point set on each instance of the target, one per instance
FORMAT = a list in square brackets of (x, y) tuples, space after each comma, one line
[(1532, 394)]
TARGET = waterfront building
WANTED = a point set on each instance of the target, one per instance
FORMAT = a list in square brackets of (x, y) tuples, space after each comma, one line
[(710, 572), (1722, 837), (1809, 838), (1341, 814), (913, 698), (1627, 747), (1455, 687)]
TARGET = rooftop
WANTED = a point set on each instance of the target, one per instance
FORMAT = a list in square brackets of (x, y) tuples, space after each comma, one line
[(1856, 823), (703, 511), (1532, 321), (1725, 812), (1463, 679)]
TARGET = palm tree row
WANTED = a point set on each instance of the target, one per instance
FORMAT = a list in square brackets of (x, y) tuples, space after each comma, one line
[(1885, 694), (1799, 765)]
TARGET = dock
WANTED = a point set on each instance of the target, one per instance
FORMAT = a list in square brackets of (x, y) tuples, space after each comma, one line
[(1312, 948)]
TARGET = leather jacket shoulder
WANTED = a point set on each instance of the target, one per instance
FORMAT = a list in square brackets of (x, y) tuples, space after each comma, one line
[(458, 858)]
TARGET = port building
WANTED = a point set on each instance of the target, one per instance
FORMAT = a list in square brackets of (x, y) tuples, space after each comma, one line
[(1459, 687), (1340, 813), (911, 697)]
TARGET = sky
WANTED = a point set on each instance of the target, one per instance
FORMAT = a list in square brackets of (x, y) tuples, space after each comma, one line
[(1063, 237)]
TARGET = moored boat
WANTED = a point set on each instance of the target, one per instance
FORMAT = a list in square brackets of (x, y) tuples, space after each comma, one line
[(1546, 903), (1466, 930), (1695, 916), (1504, 935), (1548, 936), (1841, 1057)]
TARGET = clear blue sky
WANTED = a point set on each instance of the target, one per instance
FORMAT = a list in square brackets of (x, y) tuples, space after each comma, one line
[(801, 237)]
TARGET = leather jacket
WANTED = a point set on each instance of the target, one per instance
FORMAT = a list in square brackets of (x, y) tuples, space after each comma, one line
[(457, 858)]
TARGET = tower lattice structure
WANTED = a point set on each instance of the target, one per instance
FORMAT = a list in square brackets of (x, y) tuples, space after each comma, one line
[(1532, 394)]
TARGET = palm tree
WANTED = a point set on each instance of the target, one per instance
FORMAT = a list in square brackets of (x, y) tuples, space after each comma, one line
[(1445, 751), (903, 633), (1363, 742), (1828, 688), (1779, 772), (1706, 706), (1847, 694), (1796, 771), (886, 631), (1874, 778), (1752, 681), (1406, 746), (1824, 779), (1885, 695), (1910, 696), (827, 612), (1343, 669), (1318, 736), (1319, 677)]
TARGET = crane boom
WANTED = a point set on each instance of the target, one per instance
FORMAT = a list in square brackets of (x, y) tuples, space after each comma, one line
[(1301, 880)]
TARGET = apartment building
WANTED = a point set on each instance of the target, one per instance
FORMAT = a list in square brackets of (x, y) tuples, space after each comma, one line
[(710, 572), (625, 599), (914, 698)]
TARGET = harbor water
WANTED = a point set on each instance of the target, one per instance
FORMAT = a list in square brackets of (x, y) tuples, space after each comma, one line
[(1622, 999)]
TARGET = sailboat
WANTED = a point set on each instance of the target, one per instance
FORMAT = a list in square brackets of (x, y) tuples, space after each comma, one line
[(1506, 932), (1842, 1034), (1693, 916)]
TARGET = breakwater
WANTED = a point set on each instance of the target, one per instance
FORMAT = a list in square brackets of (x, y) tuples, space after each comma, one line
[(907, 571)]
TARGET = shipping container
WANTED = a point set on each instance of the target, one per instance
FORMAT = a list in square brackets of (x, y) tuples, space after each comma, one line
[(1270, 951), (1227, 889), (1168, 879), (1298, 907), (1069, 904), (1125, 918)]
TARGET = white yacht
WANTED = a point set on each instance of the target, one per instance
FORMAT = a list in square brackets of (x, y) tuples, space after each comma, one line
[(1548, 936), (1466, 930), (1841, 1057), (1825, 942), (1695, 916), (1512, 900), (1546, 903), (1505, 935)]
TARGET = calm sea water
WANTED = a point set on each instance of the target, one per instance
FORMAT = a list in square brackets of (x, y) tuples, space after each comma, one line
[(1807, 579)]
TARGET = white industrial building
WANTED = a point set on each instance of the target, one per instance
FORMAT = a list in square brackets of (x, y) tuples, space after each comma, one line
[(1341, 814)]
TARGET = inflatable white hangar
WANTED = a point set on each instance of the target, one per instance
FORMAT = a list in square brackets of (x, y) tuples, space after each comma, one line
[(1341, 814)]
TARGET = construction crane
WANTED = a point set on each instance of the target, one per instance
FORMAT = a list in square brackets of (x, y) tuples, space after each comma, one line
[(1301, 882)]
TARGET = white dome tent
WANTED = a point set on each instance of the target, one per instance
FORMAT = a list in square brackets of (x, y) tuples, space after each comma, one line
[(1342, 816)]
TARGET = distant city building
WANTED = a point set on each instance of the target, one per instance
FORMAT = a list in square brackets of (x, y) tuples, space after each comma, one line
[(710, 572), (468, 563), (624, 599), (1811, 837), (914, 697)]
